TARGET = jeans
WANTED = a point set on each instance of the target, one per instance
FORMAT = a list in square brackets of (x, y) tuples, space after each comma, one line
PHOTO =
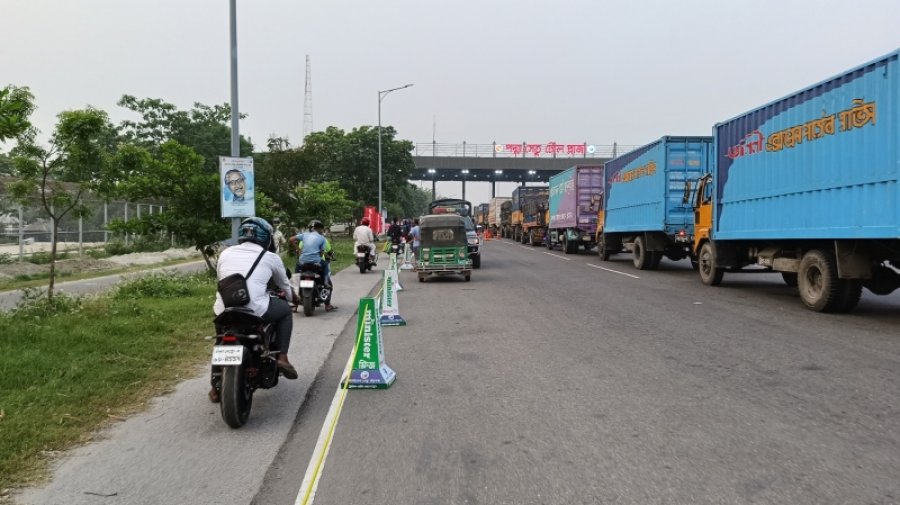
[(279, 313)]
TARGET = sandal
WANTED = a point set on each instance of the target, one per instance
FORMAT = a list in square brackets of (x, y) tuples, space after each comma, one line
[(329, 308)]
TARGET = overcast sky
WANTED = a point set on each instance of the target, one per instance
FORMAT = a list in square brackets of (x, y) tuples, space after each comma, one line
[(568, 71)]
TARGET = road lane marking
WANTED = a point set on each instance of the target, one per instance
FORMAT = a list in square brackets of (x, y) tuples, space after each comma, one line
[(310, 483), (558, 256), (613, 271)]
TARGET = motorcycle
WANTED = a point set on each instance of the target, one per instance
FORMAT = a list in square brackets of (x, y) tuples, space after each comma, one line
[(243, 361), (314, 290), (365, 258)]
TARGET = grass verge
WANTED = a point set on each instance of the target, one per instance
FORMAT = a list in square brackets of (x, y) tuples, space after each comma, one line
[(69, 366)]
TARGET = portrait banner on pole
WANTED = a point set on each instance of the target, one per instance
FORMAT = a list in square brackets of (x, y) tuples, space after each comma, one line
[(237, 194)]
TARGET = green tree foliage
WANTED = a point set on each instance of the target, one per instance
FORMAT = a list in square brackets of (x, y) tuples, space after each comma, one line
[(352, 159), (175, 174), (279, 171), (325, 201), (206, 129), (76, 161), (16, 105)]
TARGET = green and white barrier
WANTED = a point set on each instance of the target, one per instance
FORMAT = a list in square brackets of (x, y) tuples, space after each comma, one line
[(407, 258), (390, 304), (369, 369)]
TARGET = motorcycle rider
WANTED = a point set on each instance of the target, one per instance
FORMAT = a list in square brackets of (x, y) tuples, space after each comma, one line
[(315, 248), (255, 235), (395, 232), (363, 235)]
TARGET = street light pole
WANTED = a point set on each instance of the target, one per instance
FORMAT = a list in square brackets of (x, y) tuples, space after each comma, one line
[(381, 95), (235, 112)]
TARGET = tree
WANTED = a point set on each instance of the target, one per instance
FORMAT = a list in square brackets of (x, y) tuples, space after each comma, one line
[(324, 201), (75, 162), (16, 105), (352, 159), (205, 128)]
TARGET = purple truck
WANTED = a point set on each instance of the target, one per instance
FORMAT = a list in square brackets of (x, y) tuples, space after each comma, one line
[(575, 198)]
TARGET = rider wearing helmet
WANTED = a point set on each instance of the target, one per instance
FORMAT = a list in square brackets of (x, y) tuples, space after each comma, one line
[(256, 237), (363, 235), (315, 248)]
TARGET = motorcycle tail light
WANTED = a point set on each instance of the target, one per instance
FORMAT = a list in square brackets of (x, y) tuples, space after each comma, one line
[(229, 339)]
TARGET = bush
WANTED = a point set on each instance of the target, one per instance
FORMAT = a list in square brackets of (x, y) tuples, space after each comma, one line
[(161, 285), (6, 259), (34, 305), (43, 258)]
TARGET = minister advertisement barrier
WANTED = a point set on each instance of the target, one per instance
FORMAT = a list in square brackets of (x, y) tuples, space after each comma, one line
[(390, 303), (369, 368)]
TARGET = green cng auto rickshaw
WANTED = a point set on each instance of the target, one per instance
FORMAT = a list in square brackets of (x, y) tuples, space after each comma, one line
[(444, 248)]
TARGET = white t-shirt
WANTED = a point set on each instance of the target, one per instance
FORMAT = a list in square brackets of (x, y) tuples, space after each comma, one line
[(237, 260), (363, 235)]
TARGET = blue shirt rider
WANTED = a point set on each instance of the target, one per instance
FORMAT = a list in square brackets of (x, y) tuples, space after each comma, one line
[(315, 248)]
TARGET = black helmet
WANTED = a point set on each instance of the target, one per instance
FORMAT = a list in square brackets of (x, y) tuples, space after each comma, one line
[(315, 224), (256, 230)]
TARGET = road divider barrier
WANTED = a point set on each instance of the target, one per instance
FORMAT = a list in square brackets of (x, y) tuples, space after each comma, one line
[(390, 303), (369, 369)]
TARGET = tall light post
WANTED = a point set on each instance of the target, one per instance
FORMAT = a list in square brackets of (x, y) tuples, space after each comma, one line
[(235, 111), (381, 95)]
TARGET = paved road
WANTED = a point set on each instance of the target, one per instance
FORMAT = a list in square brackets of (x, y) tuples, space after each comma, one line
[(180, 452), (547, 380)]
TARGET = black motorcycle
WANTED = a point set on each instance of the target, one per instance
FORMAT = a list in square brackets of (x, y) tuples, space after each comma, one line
[(314, 289), (243, 361), (365, 258)]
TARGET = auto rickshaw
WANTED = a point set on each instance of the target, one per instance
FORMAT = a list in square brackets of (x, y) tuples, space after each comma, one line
[(444, 246)]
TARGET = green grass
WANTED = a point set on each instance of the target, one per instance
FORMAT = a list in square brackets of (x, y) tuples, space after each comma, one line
[(70, 366)]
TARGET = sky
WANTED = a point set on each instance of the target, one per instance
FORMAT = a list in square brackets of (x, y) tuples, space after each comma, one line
[(510, 71)]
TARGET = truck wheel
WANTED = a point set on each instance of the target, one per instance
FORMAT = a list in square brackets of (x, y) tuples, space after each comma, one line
[(790, 278), (818, 283), (549, 241), (710, 274), (568, 246), (655, 257), (640, 256), (850, 294), (476, 261), (602, 249)]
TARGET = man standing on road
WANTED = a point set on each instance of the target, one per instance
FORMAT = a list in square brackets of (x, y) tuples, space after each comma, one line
[(416, 234)]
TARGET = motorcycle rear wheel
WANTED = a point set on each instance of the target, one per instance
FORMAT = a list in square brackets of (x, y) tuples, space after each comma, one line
[(237, 394), (308, 307)]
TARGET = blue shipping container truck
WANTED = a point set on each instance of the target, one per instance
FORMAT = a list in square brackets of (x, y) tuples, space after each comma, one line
[(808, 186), (645, 210), (575, 196)]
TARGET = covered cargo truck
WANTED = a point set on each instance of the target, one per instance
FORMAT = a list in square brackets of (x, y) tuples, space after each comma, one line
[(494, 211), (575, 195), (529, 211), (481, 214), (809, 186), (644, 210), (506, 219)]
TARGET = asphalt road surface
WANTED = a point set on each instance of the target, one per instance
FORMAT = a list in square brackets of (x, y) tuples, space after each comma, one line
[(547, 379)]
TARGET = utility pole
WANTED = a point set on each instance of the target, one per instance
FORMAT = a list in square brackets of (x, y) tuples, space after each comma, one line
[(307, 104)]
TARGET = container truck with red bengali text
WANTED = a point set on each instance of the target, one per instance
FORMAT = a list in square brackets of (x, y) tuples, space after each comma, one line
[(809, 185)]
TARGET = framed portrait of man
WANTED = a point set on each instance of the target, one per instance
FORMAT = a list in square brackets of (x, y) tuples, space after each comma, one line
[(237, 187)]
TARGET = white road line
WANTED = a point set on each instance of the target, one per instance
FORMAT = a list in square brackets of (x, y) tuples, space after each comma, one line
[(613, 271), (558, 256), (527, 247)]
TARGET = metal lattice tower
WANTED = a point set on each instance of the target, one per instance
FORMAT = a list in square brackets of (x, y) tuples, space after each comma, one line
[(307, 104)]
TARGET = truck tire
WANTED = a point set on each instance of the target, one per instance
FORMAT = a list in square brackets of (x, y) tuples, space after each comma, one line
[(569, 247), (655, 257), (818, 283), (850, 294), (549, 240), (790, 278), (710, 274), (640, 256), (476, 261), (602, 249)]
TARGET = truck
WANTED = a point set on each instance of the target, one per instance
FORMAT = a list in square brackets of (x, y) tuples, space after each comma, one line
[(494, 213), (506, 219), (644, 209), (575, 194), (481, 212), (529, 210), (808, 185)]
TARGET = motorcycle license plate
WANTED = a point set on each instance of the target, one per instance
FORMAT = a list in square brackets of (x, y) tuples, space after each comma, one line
[(226, 355), (360, 255), (307, 284)]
